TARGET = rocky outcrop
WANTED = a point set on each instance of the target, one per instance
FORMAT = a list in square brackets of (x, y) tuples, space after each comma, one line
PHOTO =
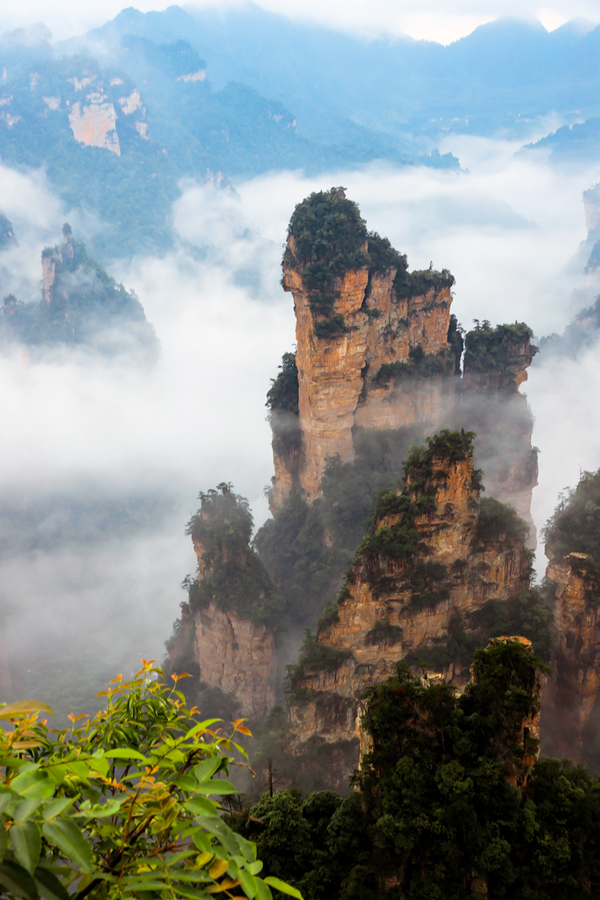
[(353, 377), (95, 123), (591, 206), (378, 349), (495, 366), (237, 656), (48, 274), (573, 701), (427, 566), (228, 627)]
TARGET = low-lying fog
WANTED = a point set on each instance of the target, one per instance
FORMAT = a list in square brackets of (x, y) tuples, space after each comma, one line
[(510, 231)]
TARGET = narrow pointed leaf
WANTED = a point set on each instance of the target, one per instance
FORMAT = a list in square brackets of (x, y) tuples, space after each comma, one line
[(3, 841), (226, 836), (33, 784), (283, 887), (18, 881), (55, 807), (123, 753), (24, 808), (207, 768), (248, 883), (64, 834), (263, 891), (6, 798), (248, 849), (26, 843), (199, 806), (216, 786), (22, 707), (48, 885)]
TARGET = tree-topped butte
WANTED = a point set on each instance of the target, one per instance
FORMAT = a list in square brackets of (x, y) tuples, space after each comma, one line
[(364, 324), (327, 237), (438, 572)]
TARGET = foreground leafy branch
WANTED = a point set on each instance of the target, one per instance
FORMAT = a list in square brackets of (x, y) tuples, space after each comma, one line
[(123, 804)]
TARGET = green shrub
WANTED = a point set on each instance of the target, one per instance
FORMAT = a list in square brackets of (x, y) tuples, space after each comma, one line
[(313, 657), (497, 519), (496, 351), (330, 239), (428, 584), (235, 577), (418, 365), (383, 633), (419, 282), (330, 328), (574, 527), (283, 393)]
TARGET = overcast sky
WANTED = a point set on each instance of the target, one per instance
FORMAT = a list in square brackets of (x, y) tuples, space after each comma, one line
[(437, 20)]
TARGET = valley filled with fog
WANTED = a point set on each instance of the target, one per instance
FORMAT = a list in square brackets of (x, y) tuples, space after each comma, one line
[(509, 227)]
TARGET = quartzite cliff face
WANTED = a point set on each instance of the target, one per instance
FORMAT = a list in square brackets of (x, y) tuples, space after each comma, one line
[(225, 637), (573, 700), (339, 388), (428, 565), (378, 349)]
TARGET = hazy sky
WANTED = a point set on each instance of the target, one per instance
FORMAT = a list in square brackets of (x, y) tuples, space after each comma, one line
[(437, 20)]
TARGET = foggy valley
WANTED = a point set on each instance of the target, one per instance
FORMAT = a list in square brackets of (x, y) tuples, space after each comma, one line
[(134, 376)]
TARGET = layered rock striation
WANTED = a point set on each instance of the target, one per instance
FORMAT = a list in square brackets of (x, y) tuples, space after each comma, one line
[(495, 366), (574, 698), (226, 635), (366, 330), (431, 561), (378, 349), (572, 702)]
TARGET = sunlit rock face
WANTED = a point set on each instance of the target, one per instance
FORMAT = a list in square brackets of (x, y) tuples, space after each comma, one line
[(377, 348), (397, 604), (338, 385), (95, 123), (573, 702)]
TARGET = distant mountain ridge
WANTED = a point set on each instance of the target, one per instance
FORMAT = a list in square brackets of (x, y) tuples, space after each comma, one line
[(389, 85), (119, 116)]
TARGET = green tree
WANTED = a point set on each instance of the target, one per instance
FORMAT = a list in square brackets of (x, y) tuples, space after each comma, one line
[(123, 804)]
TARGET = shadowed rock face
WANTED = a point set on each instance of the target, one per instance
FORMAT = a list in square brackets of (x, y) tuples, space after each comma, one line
[(232, 646), (425, 563), (237, 656), (573, 701), (339, 388)]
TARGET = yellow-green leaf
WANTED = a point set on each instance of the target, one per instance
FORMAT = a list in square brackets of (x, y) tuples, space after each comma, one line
[(22, 707), (218, 868), (248, 883), (283, 887), (263, 891)]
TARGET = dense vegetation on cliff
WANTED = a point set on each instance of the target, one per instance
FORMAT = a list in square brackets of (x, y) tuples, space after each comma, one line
[(81, 305), (449, 800), (574, 526), (233, 575), (7, 234), (498, 352), (327, 237)]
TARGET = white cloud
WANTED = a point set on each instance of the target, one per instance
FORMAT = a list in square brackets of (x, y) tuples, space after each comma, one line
[(436, 20), (507, 229)]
